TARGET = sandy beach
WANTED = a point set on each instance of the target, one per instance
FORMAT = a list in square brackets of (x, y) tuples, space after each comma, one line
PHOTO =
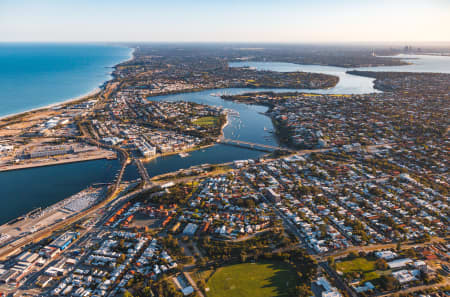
[(57, 104), (82, 97)]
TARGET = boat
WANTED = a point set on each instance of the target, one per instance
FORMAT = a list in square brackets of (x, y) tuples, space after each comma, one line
[(217, 94), (183, 155)]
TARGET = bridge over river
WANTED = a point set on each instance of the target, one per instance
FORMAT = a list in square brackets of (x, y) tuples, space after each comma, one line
[(142, 171), (252, 145)]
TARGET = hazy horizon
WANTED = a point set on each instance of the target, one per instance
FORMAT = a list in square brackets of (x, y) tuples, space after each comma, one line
[(246, 21), (241, 43)]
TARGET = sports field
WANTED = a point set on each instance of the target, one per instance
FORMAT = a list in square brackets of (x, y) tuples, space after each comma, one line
[(252, 280), (206, 121)]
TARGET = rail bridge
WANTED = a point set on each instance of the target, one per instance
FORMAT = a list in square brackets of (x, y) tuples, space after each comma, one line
[(252, 145)]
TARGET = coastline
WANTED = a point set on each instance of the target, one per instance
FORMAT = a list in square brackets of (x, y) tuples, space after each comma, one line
[(82, 97), (17, 116)]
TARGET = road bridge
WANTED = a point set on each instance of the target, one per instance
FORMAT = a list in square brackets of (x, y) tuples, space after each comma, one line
[(252, 145), (142, 171)]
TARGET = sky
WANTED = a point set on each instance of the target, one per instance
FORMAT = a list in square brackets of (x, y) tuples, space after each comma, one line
[(226, 20)]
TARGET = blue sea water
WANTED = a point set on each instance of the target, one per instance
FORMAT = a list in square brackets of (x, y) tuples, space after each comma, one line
[(34, 75), (37, 74)]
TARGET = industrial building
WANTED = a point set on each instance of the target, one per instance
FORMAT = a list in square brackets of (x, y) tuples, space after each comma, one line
[(64, 240)]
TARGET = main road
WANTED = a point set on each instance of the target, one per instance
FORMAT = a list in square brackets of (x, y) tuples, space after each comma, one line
[(252, 145)]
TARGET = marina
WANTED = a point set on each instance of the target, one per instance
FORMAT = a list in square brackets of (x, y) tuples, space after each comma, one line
[(39, 219)]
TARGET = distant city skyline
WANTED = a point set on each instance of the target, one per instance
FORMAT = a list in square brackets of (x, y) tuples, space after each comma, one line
[(226, 21)]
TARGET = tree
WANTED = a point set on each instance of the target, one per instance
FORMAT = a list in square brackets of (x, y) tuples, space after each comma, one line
[(121, 259), (388, 282), (411, 253), (201, 284), (201, 262), (353, 255), (147, 292), (381, 264), (426, 237), (127, 294), (323, 230), (303, 291), (331, 261)]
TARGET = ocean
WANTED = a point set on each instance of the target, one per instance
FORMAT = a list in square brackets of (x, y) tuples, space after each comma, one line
[(34, 75)]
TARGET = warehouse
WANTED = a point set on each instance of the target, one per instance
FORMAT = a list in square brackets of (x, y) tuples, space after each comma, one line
[(64, 240)]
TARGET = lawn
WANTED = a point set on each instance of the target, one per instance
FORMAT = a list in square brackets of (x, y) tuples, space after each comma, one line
[(252, 280), (366, 269), (368, 276), (356, 265), (206, 121)]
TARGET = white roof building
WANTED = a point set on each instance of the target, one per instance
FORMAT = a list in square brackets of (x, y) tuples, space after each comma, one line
[(386, 255), (399, 263)]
